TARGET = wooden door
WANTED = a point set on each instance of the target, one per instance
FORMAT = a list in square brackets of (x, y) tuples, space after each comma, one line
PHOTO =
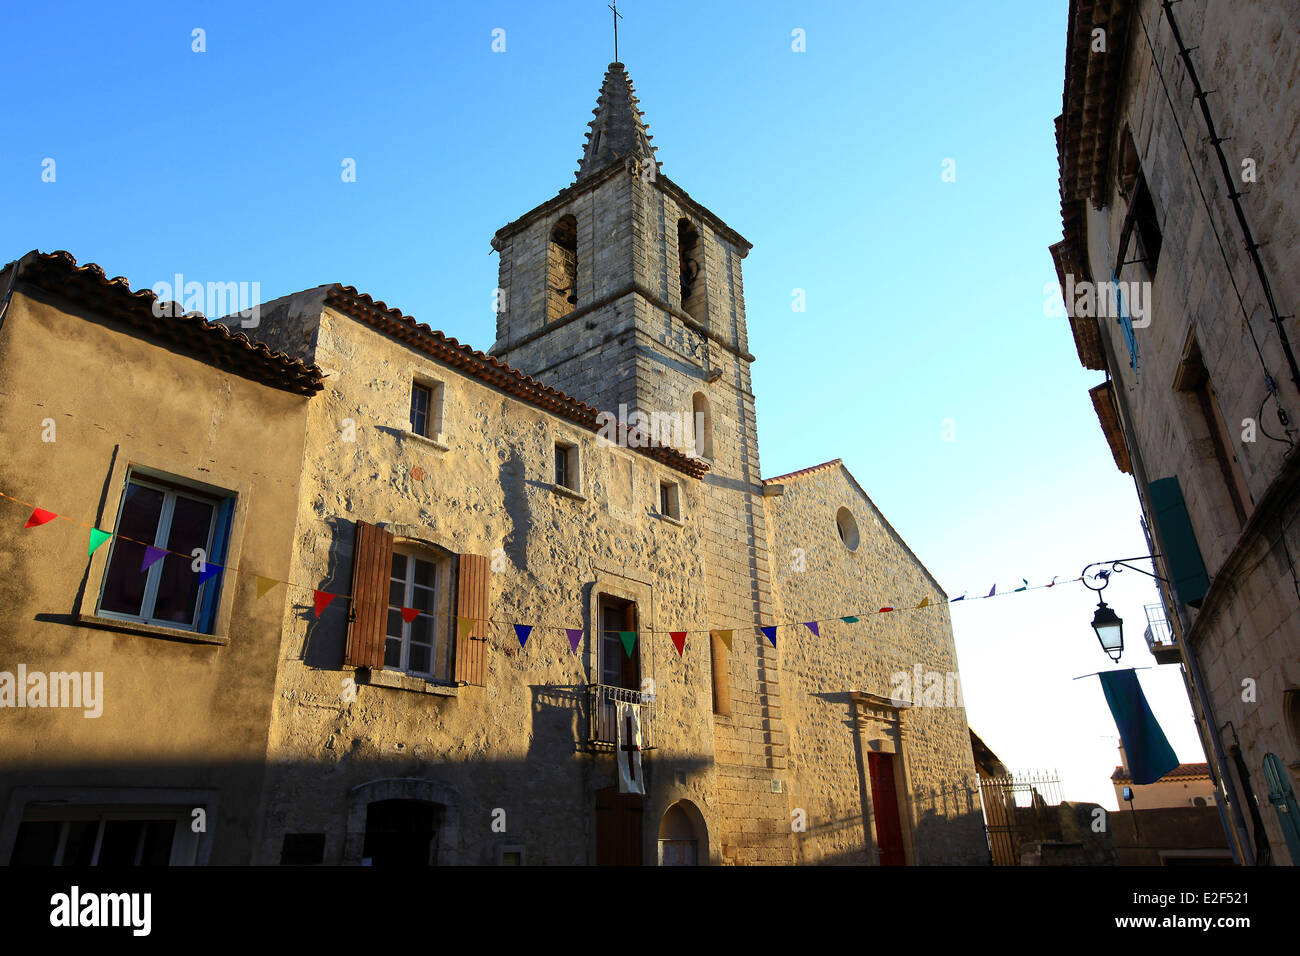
[(618, 828), (884, 801)]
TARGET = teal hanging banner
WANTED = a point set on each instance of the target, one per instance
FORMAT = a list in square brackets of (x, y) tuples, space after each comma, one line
[(1149, 755)]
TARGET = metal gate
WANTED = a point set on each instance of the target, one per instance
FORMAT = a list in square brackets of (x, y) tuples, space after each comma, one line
[(1005, 800)]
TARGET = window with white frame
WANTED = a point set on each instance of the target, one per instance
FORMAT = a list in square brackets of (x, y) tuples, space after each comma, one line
[(416, 594), (168, 591), (104, 836)]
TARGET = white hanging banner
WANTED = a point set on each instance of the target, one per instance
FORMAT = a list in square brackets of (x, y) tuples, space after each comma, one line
[(630, 778)]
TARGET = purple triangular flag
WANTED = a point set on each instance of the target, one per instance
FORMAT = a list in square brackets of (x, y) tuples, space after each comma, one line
[(812, 626), (151, 557), (575, 637), (522, 631), (209, 571), (771, 634), (992, 591)]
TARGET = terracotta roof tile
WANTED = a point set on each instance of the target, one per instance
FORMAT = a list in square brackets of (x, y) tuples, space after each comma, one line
[(803, 471), (215, 343), (1181, 772)]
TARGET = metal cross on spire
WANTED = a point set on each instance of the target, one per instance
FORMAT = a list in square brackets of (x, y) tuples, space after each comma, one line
[(617, 16)]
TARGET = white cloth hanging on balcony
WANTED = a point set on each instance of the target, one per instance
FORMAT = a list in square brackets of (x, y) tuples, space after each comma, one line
[(628, 754)]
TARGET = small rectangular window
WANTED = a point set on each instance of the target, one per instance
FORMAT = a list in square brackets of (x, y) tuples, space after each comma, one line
[(566, 466), (669, 502), (426, 409), (168, 591)]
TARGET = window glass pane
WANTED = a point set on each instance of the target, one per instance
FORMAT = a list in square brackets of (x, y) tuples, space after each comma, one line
[(136, 842), (79, 849), (419, 409), (423, 573), (422, 630), (178, 585), (422, 598), (418, 661), (396, 594), (393, 628), (399, 567), (393, 652), (35, 844), (123, 583)]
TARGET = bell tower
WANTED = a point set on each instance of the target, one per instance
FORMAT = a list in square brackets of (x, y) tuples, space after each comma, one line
[(623, 290)]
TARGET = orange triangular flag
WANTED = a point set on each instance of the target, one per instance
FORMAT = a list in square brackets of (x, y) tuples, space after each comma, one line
[(925, 602), (463, 626), (264, 585), (723, 636)]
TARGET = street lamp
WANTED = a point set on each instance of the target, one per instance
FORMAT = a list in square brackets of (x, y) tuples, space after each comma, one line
[(1110, 630), (1108, 625)]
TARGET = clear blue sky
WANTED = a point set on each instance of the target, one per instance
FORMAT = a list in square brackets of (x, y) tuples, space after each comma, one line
[(925, 298)]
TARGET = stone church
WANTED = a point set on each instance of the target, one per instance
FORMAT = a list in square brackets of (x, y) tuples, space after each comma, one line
[(354, 689)]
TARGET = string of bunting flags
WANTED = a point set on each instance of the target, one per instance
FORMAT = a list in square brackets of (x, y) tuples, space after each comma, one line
[(323, 599)]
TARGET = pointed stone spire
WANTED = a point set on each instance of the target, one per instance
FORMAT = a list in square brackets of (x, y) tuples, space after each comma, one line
[(617, 131)]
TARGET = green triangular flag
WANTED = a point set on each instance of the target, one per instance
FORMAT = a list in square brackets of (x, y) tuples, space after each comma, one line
[(628, 638), (97, 538), (849, 620)]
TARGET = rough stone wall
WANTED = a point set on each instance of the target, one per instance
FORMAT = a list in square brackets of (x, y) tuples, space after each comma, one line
[(1245, 53), (176, 714), (817, 576), (512, 744)]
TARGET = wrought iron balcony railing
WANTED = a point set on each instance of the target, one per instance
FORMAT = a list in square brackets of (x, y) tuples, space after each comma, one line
[(602, 715), (1160, 636)]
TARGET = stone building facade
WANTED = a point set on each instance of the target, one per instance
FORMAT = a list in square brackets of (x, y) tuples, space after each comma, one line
[(446, 495), (1176, 146)]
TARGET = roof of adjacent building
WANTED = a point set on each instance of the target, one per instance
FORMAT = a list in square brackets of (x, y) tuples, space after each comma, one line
[(1184, 771), (804, 471), (212, 342)]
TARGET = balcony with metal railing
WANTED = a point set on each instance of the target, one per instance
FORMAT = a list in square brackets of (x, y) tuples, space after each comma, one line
[(1160, 636), (602, 715)]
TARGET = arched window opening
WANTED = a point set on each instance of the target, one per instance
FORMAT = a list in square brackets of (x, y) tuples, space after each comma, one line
[(689, 254), (847, 526), (679, 841), (562, 269), (702, 427)]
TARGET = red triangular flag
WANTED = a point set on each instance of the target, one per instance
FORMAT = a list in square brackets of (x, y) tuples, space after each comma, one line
[(39, 516), (679, 641), (323, 599), (409, 614), (884, 609)]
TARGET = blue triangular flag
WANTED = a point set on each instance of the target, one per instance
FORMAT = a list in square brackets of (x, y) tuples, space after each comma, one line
[(771, 634), (1149, 755), (209, 571), (522, 631)]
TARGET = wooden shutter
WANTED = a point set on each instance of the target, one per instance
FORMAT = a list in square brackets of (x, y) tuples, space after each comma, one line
[(1178, 540), (372, 568), (472, 601)]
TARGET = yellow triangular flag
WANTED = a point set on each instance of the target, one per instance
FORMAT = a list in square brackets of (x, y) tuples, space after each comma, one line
[(925, 602), (264, 585), (723, 636), (463, 626)]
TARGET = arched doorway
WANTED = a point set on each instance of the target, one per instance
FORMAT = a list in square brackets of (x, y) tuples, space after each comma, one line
[(683, 839)]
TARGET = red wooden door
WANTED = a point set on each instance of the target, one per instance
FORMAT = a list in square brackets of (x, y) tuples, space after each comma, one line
[(618, 828), (884, 800)]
